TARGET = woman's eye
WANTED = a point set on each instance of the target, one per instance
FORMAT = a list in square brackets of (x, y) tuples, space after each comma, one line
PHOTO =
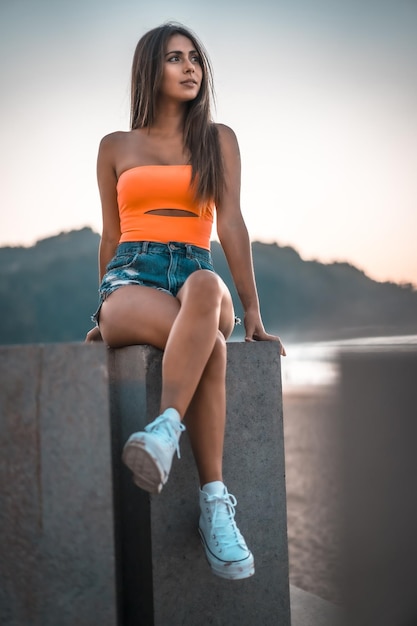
[(175, 59)]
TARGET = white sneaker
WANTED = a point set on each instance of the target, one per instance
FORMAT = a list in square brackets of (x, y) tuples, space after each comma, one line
[(149, 453), (225, 548)]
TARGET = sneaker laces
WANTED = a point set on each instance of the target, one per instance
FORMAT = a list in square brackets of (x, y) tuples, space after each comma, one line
[(168, 429), (223, 520)]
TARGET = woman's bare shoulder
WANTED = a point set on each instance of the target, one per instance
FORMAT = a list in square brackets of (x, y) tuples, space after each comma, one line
[(115, 138), (117, 147), (225, 132), (228, 140)]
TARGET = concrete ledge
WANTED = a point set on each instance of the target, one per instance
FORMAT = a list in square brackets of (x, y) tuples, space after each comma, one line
[(56, 515), (68, 558)]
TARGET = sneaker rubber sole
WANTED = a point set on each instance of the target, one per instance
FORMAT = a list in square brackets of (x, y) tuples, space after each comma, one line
[(231, 570), (143, 462)]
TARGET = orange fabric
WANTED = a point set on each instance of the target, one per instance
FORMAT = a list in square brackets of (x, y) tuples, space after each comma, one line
[(148, 187)]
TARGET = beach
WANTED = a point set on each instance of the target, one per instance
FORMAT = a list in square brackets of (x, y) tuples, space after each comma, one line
[(313, 452), (313, 489)]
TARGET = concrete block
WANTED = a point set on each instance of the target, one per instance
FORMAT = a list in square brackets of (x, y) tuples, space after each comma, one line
[(158, 539), (56, 516), (75, 552), (378, 410)]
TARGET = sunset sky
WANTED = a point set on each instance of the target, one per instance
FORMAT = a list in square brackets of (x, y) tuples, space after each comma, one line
[(322, 95)]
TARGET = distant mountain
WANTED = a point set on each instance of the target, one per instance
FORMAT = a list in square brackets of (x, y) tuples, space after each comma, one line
[(49, 291)]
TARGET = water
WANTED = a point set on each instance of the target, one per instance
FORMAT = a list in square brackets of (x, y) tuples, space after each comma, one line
[(316, 364)]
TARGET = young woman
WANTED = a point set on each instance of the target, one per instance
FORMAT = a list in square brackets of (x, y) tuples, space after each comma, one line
[(160, 184)]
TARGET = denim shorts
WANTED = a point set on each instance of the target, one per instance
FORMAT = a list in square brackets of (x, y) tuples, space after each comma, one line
[(163, 266)]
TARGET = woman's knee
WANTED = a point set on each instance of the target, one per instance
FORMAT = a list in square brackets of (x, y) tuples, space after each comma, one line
[(205, 288)]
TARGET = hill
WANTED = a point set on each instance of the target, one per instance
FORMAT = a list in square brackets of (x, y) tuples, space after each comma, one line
[(49, 291)]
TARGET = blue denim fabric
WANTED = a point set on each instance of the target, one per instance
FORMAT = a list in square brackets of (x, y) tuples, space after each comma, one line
[(161, 266)]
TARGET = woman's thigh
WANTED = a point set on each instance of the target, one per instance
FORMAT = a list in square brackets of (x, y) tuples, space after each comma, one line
[(135, 314)]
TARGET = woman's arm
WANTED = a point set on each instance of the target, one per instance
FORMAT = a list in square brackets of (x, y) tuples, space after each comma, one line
[(234, 238), (107, 181)]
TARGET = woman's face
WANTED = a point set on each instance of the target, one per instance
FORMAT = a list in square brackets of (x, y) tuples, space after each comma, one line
[(182, 71)]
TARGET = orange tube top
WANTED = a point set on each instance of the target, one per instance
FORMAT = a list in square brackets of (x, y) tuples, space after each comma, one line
[(148, 187)]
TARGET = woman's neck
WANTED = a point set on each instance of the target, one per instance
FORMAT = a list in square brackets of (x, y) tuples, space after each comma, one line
[(169, 119)]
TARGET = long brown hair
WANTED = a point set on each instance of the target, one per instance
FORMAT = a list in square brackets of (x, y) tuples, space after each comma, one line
[(200, 133)]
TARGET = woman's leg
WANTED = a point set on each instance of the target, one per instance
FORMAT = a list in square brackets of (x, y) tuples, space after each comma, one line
[(206, 307), (191, 329), (186, 328), (206, 416)]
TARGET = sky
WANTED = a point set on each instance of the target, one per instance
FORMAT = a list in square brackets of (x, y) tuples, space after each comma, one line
[(322, 95)]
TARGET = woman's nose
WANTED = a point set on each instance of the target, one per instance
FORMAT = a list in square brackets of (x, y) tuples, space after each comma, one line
[(188, 66)]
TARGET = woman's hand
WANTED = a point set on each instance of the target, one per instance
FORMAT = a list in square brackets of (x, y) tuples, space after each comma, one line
[(93, 335), (255, 331)]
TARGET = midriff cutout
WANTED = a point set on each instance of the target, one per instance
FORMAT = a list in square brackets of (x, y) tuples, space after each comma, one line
[(171, 212)]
